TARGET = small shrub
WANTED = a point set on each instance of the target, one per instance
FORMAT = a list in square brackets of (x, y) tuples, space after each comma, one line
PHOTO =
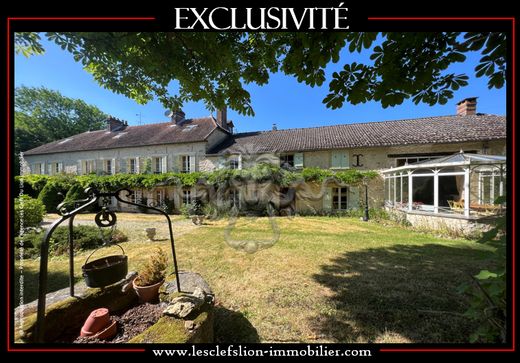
[(154, 269), (85, 238), (185, 210), (196, 208), (168, 206), (32, 211)]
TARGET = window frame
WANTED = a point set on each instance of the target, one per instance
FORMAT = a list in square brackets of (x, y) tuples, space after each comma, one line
[(287, 160), (337, 192), (185, 164)]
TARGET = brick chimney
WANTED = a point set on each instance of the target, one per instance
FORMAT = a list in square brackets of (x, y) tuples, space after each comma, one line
[(178, 116), (115, 124), (222, 118), (467, 106)]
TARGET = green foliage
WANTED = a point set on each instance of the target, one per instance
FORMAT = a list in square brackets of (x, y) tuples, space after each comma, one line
[(168, 206), (54, 191), (43, 115), (75, 193), (214, 66), (488, 290), (32, 184), (28, 211), (154, 269), (85, 238), (196, 208), (185, 210), (258, 173)]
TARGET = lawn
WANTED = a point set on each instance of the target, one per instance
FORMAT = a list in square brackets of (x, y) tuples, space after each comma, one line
[(325, 280)]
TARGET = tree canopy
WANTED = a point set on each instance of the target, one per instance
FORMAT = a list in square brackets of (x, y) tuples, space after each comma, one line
[(43, 115), (216, 67)]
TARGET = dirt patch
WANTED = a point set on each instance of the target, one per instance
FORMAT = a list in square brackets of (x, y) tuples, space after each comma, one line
[(130, 323)]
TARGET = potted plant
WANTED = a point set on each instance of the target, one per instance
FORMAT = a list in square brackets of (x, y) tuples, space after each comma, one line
[(151, 276)]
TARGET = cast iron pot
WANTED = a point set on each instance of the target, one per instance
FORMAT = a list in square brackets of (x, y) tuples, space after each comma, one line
[(106, 270)]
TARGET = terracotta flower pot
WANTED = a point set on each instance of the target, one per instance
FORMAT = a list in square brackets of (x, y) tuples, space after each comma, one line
[(108, 332), (98, 320), (147, 293)]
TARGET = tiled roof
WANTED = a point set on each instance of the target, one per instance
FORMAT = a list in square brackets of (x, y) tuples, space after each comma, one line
[(428, 130), (191, 130)]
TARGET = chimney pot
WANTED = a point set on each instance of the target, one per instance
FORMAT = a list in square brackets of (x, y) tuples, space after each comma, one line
[(115, 124), (467, 106), (222, 118), (178, 116)]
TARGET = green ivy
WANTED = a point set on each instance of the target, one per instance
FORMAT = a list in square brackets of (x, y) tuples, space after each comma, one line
[(258, 173)]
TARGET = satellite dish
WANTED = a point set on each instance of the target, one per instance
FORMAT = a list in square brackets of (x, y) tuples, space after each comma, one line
[(168, 113)]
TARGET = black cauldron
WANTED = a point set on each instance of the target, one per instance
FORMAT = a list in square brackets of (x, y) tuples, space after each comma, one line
[(106, 270)]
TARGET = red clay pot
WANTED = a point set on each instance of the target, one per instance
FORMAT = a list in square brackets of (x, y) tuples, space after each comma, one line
[(147, 293), (108, 332), (98, 320)]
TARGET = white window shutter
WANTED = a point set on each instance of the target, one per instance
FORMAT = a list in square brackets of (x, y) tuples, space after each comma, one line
[(164, 164), (298, 160), (240, 161), (192, 164), (60, 167), (335, 160), (113, 166), (353, 198), (327, 199), (344, 160), (137, 165), (80, 167)]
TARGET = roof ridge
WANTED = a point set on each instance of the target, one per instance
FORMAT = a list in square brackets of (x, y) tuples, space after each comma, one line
[(370, 122)]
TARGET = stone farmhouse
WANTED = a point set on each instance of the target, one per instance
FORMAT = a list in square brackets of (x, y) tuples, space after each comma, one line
[(203, 144)]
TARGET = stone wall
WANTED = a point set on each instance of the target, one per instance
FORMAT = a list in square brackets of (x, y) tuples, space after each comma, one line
[(456, 225)]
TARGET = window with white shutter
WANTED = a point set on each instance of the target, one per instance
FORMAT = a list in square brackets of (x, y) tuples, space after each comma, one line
[(193, 166), (164, 164), (339, 160)]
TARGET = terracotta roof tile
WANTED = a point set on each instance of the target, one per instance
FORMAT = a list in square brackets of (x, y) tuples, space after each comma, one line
[(191, 130), (429, 130)]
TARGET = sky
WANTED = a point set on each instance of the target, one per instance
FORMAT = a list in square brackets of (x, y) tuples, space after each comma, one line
[(283, 101)]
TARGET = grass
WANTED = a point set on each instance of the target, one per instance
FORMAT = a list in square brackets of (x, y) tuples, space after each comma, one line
[(324, 280)]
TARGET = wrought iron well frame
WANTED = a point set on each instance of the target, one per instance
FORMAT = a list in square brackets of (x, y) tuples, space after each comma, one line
[(94, 196)]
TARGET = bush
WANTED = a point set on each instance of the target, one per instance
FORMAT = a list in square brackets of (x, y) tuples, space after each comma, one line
[(31, 244), (76, 192), (168, 206), (85, 238), (31, 210), (50, 196), (196, 208)]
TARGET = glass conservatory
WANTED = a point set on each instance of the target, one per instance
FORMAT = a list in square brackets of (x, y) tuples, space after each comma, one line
[(465, 184)]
